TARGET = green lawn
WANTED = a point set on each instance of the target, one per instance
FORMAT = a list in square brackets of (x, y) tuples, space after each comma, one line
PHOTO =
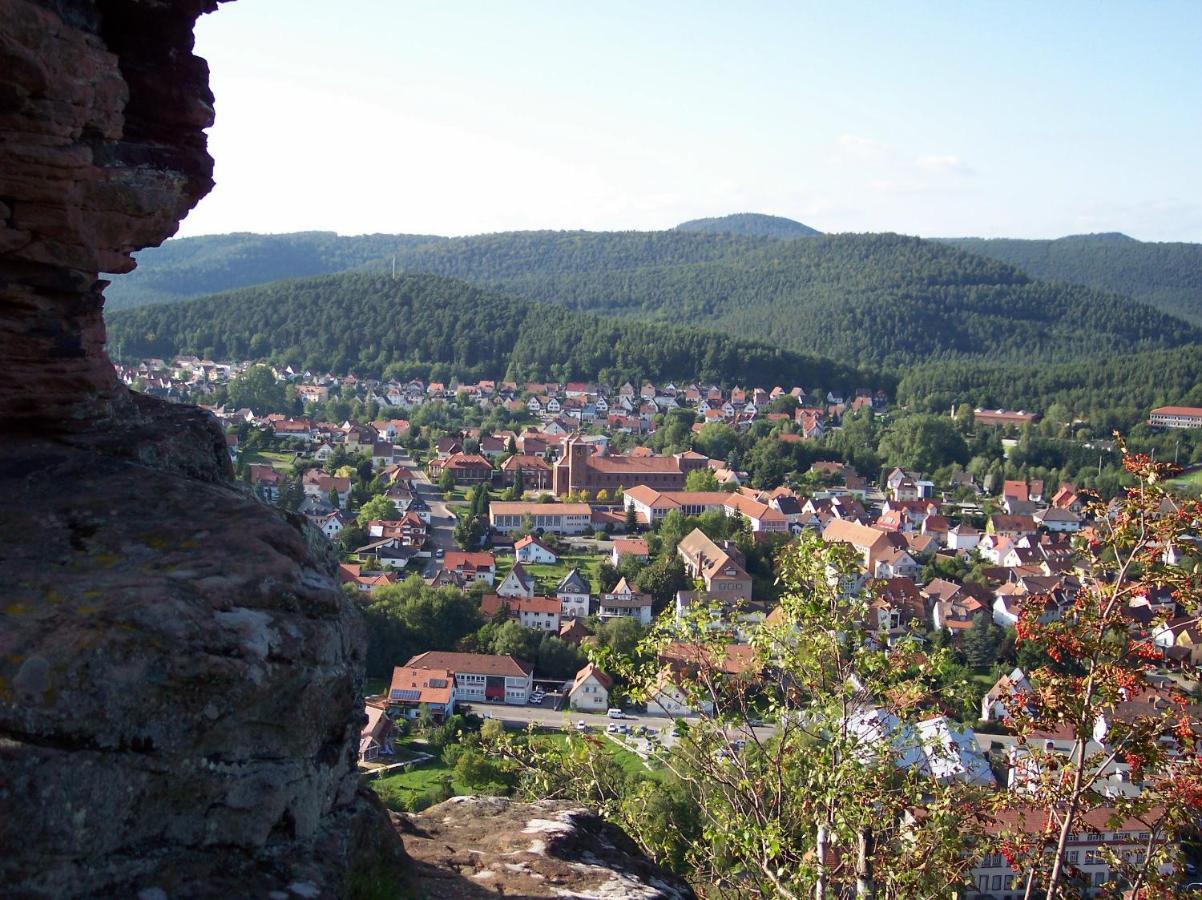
[(549, 576), (1190, 481), (271, 458), (627, 761)]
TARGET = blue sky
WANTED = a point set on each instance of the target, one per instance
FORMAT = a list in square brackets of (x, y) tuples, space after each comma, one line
[(1015, 119)]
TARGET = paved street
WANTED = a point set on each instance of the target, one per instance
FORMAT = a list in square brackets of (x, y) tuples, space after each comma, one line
[(442, 520)]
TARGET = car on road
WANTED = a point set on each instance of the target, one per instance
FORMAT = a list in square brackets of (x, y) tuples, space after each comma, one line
[(439, 553), (616, 713)]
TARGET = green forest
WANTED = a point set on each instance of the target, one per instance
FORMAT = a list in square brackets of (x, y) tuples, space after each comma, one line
[(426, 326), (1167, 276), (871, 300)]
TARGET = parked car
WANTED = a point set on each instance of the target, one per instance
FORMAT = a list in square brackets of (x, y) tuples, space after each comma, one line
[(616, 713), (582, 725), (612, 728)]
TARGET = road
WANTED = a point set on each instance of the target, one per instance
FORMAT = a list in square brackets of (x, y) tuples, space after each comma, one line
[(442, 520)]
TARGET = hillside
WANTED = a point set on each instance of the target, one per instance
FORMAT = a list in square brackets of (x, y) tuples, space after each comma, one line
[(1166, 276), (193, 267), (750, 225), (876, 299), (1111, 392), (873, 299), (436, 327)]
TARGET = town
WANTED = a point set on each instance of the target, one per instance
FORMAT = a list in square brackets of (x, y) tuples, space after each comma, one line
[(563, 529)]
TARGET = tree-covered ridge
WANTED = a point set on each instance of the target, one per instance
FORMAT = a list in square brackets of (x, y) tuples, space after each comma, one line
[(750, 225), (1167, 276), (1117, 390), (425, 325), (878, 299), (192, 267)]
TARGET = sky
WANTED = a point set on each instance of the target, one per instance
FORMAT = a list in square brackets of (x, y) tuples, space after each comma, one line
[(1018, 119)]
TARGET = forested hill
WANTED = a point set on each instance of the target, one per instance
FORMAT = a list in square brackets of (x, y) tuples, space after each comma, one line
[(192, 267), (1110, 392), (1166, 276), (881, 299), (423, 325), (870, 299), (750, 225)]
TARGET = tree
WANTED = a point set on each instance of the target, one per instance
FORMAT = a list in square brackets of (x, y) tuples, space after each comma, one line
[(557, 658), (378, 507), (923, 443), (631, 520), (1094, 661), (607, 575), (701, 480), (982, 642), (410, 617), (519, 483), (776, 812), (716, 440), (511, 639), (662, 579), (446, 481), (257, 389)]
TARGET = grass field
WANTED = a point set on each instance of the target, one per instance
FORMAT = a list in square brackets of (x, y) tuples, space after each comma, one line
[(549, 576), (627, 761), (271, 458), (1190, 481)]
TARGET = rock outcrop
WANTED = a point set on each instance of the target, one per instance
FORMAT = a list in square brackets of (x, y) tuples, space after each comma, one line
[(179, 675), (473, 847)]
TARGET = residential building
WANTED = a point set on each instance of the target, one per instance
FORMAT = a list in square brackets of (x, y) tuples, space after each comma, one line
[(479, 566), (573, 593), (625, 602), (481, 677), (590, 690), (517, 583), (530, 549), (375, 739), (722, 574), (538, 613), (415, 689)]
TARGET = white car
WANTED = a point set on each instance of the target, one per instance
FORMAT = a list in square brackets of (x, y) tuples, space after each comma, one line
[(616, 713), (613, 728), (582, 725)]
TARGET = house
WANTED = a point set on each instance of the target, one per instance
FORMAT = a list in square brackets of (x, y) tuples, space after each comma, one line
[(1105, 834), (535, 472), (465, 468), (481, 677), (265, 481), (375, 739), (635, 547), (538, 613), (573, 593), (505, 516), (897, 609), (317, 483), (625, 602), (1061, 521), (409, 530), (573, 631), (666, 697), (352, 573), (1007, 693), (479, 566), (590, 690), (530, 549), (517, 583), (415, 689), (962, 537), (721, 572), (1013, 527)]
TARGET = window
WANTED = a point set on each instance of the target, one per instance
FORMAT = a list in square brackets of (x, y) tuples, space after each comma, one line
[(1091, 857), (1073, 857), (997, 882)]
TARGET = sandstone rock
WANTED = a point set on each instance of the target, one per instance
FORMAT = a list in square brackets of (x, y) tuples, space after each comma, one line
[(179, 675), (488, 846)]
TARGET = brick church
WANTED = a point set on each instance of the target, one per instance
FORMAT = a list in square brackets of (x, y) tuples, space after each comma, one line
[(580, 469)]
